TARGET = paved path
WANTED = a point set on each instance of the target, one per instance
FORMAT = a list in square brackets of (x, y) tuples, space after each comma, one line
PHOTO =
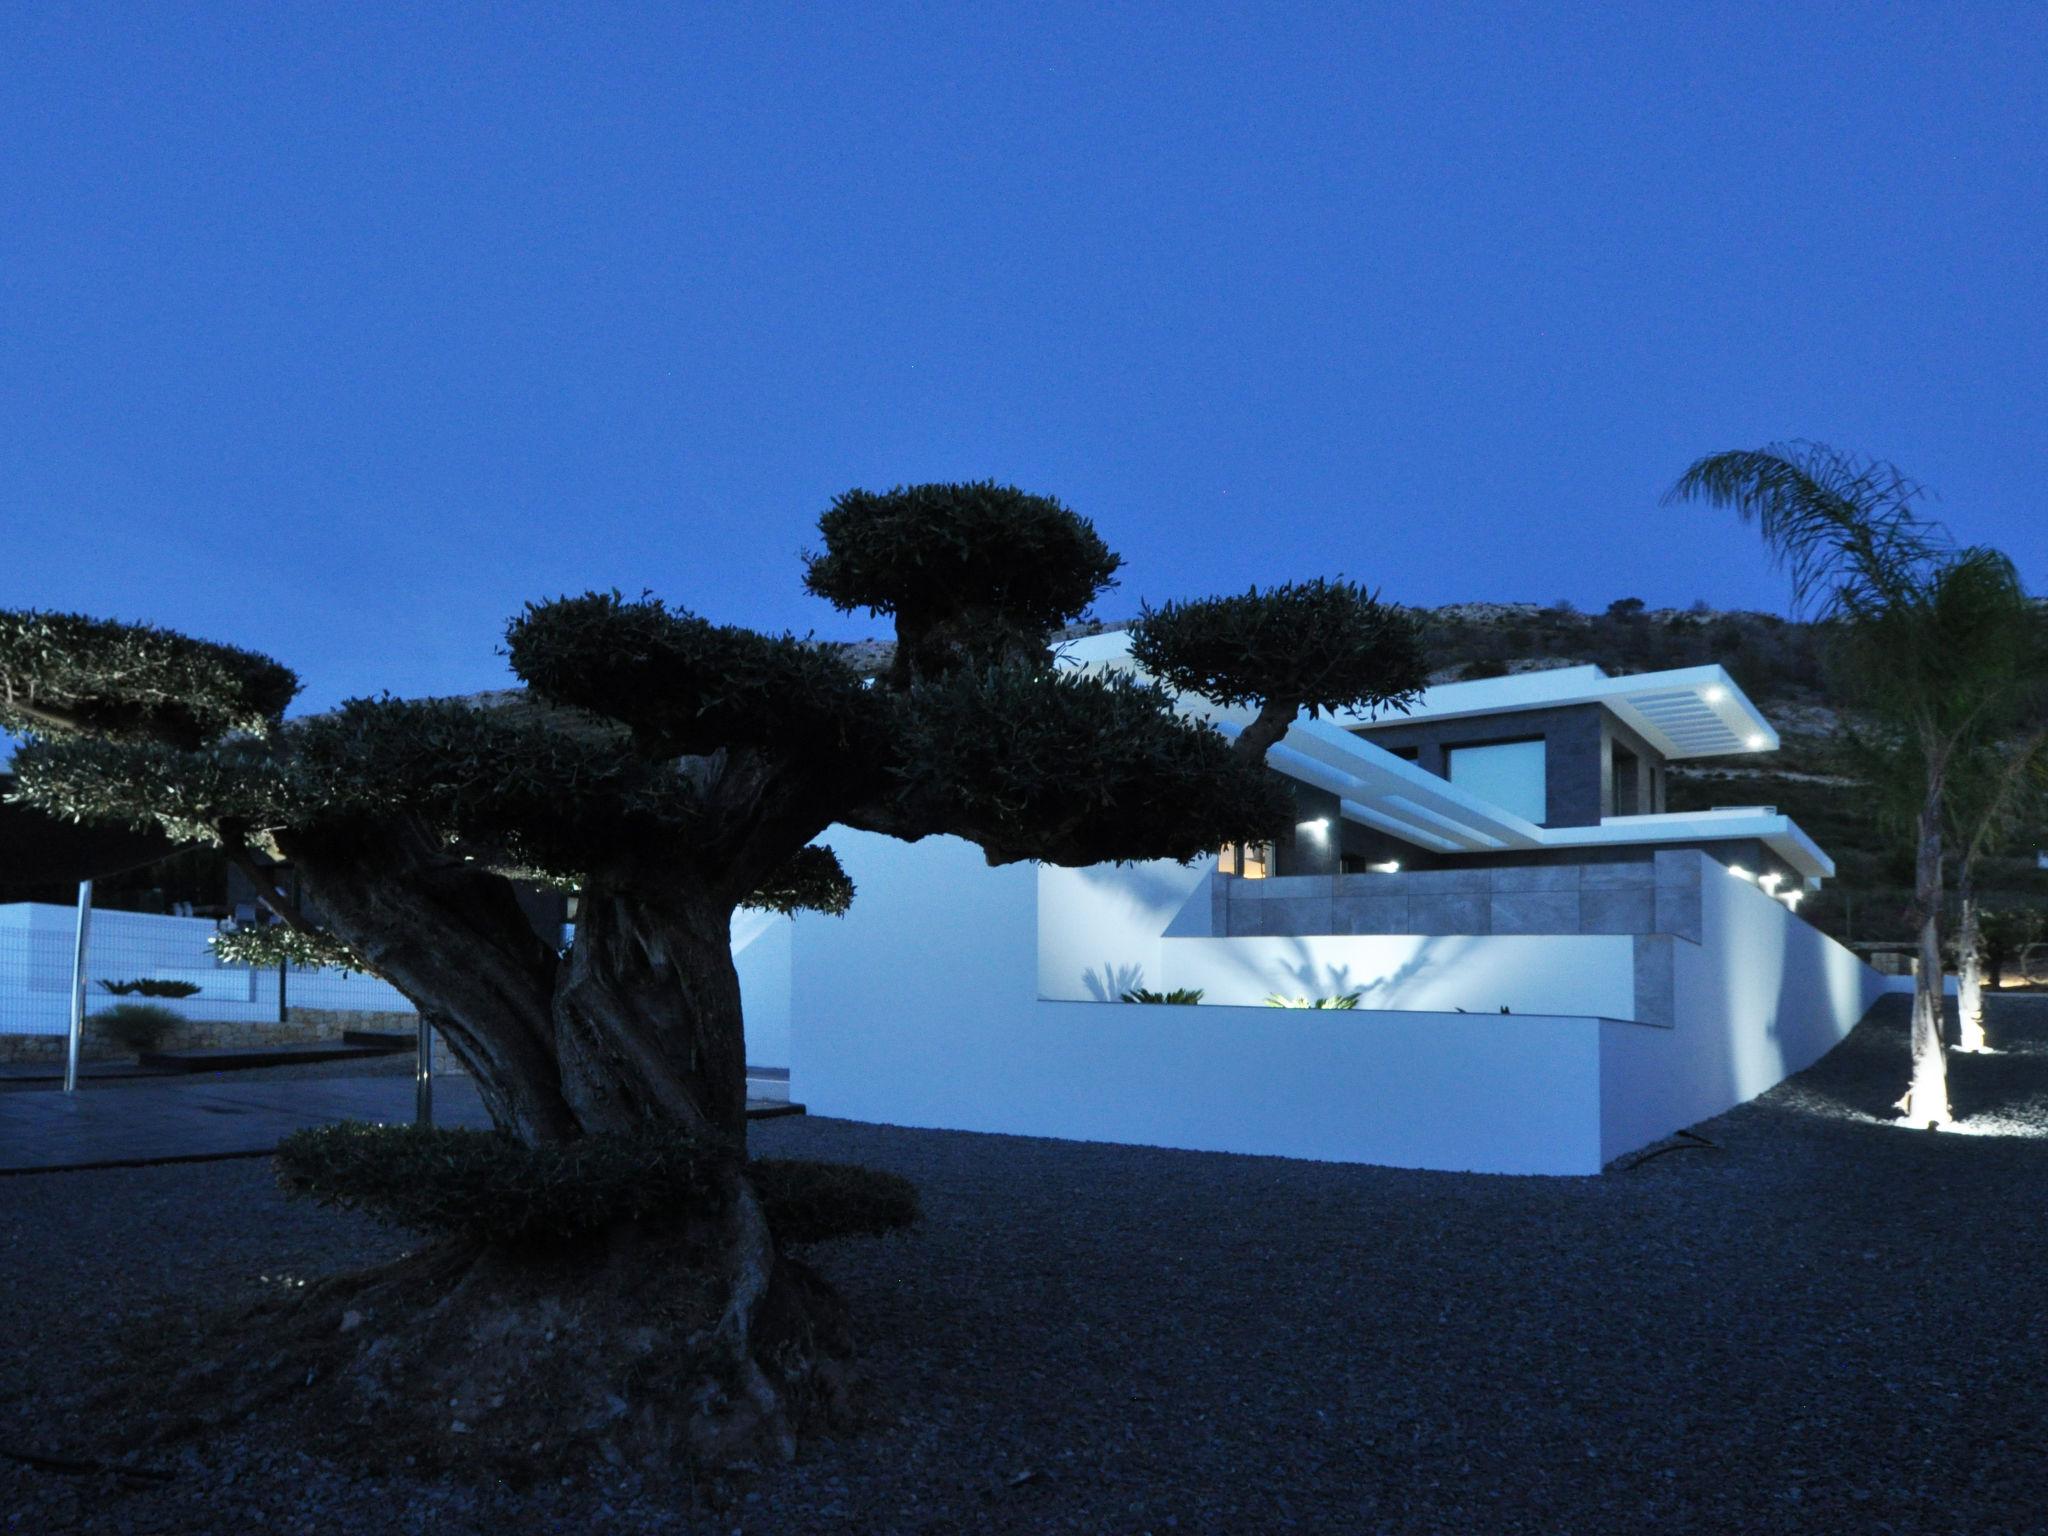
[(184, 1120)]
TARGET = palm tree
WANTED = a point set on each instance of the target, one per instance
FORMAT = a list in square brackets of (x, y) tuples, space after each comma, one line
[(2002, 790), (1934, 644)]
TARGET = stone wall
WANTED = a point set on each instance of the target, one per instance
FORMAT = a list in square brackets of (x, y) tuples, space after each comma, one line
[(303, 1026), (1660, 895)]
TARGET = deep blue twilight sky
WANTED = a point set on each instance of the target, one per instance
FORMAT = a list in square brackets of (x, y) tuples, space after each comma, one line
[(340, 331)]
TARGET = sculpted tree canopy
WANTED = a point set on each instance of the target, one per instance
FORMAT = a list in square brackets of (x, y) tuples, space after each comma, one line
[(1311, 645), (671, 769)]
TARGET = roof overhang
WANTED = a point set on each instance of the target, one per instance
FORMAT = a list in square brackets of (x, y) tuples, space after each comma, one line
[(1683, 712), (1378, 789)]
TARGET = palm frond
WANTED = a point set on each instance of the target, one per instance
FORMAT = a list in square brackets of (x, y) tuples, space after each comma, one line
[(1846, 530)]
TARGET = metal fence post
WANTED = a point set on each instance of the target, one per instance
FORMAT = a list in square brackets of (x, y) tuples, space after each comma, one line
[(77, 1032), (423, 1076)]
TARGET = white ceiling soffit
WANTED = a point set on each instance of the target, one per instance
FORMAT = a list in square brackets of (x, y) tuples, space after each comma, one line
[(1381, 790), (1684, 712)]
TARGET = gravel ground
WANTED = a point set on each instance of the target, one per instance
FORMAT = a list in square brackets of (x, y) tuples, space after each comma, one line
[(1824, 1323)]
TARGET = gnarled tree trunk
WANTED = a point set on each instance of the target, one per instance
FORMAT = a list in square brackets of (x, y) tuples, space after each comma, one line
[(647, 1016), (453, 938)]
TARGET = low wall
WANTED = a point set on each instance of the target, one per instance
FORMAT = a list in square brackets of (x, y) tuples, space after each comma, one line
[(925, 1006), (303, 1026)]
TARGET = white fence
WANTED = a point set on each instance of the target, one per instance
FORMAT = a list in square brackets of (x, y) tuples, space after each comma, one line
[(37, 941)]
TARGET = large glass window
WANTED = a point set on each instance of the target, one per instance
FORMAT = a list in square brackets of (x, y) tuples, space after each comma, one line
[(1509, 773)]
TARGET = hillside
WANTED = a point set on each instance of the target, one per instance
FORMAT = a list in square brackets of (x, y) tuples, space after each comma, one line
[(1779, 663)]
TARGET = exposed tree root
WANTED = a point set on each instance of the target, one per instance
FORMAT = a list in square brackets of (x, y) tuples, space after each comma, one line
[(666, 1350)]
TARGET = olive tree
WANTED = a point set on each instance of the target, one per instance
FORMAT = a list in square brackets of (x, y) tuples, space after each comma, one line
[(673, 769)]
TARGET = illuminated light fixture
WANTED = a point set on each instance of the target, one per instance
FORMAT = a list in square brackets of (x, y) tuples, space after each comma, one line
[(1320, 826), (1770, 882), (1740, 873), (1756, 741), (1391, 867), (1792, 898), (1715, 694)]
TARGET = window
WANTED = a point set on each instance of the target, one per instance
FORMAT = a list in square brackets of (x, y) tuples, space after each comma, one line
[(1253, 861), (1508, 773)]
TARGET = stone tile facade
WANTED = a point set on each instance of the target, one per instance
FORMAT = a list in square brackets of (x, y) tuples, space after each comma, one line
[(1657, 895)]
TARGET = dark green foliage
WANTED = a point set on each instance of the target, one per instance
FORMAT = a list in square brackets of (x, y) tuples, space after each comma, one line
[(485, 1187), (268, 944), (807, 1202), (968, 571), (682, 683), (1185, 996), (1341, 1002), (812, 881), (187, 793), (1076, 769), (64, 672), (1314, 645), (490, 1188), (138, 1027), (149, 986)]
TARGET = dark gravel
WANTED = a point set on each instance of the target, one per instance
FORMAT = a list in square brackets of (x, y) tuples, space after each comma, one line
[(1823, 1323)]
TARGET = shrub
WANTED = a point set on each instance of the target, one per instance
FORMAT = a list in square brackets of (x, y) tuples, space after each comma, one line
[(491, 1188), (1187, 995), (149, 986), (808, 1202), (487, 1187), (1341, 1000), (138, 1027)]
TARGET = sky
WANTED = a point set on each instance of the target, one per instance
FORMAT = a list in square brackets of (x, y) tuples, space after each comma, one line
[(343, 332)]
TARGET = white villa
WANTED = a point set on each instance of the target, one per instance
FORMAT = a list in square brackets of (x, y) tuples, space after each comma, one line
[(1551, 969)]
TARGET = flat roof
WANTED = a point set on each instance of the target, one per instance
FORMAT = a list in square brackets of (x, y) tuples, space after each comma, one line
[(1682, 712)]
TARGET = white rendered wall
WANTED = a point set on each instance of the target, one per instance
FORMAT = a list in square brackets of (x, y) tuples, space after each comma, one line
[(1561, 974), (920, 1008), (1099, 928), (761, 955), (1762, 996)]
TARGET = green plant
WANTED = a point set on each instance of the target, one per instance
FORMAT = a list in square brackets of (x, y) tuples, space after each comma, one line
[(487, 1187), (1187, 995), (151, 987), (1343, 1000), (807, 1202), (139, 1027)]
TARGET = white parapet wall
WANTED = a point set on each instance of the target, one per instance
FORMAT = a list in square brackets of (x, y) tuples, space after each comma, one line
[(957, 996)]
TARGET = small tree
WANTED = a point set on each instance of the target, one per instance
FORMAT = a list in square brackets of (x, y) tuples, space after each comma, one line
[(672, 769), (1934, 645)]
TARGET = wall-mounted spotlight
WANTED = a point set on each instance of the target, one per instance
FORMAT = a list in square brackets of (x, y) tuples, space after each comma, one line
[(1390, 867), (1320, 826), (1770, 882), (1715, 693), (1756, 741), (1740, 873)]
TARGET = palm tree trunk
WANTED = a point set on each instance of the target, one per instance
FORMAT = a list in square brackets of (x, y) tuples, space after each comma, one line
[(1969, 963), (1926, 1100)]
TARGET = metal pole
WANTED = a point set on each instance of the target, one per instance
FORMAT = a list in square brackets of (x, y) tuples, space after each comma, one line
[(78, 988), (423, 1076)]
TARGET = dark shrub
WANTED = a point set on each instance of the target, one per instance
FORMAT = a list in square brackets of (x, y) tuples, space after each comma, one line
[(150, 987), (489, 1188), (1187, 996), (139, 1027), (810, 1202)]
